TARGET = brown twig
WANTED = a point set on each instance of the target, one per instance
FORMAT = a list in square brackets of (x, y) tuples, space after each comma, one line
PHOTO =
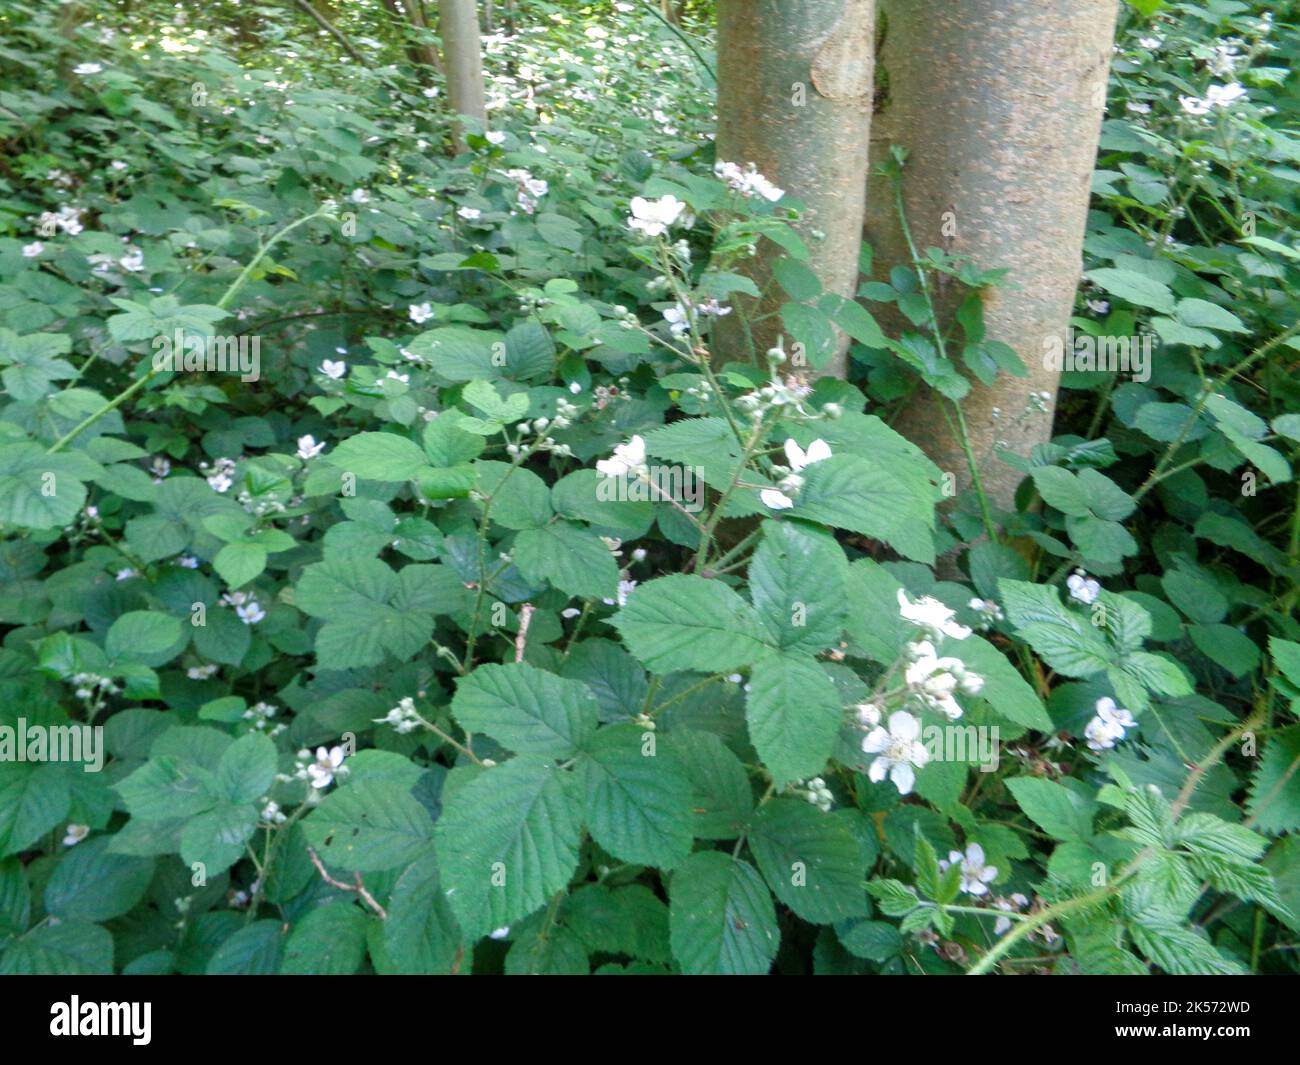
[(358, 887)]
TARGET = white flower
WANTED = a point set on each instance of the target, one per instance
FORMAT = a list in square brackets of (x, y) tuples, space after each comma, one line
[(470, 214), (530, 189), (202, 672), (1108, 727), (798, 460), (868, 714), (975, 875), (1083, 589), (420, 312), (250, 613), (308, 448), (1215, 96), (187, 562), (321, 772), (133, 261), (930, 614), (898, 750), (628, 459), (30, 251), (499, 933), (495, 137), (75, 834), (334, 370), (430, 92), (359, 196), (400, 378), (118, 165), (88, 68), (1224, 95), (653, 217)]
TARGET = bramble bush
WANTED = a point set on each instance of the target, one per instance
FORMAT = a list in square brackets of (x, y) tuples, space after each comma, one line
[(444, 605)]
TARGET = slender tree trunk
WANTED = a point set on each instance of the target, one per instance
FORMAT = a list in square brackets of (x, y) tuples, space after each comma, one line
[(999, 105), (794, 98), (462, 52), (418, 53)]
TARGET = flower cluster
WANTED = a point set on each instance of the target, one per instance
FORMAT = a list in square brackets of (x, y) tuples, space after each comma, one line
[(247, 608), (654, 217), (815, 792), (402, 717), (747, 181), (530, 189), (1108, 725), (976, 874)]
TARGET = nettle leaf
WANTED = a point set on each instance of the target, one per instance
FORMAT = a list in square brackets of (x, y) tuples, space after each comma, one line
[(794, 714), (507, 841), (798, 583), (638, 797), (572, 559), (684, 622), (721, 918), (527, 709), (369, 825), (811, 860)]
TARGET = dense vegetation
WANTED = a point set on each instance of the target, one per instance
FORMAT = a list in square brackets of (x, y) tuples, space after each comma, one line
[(485, 618)]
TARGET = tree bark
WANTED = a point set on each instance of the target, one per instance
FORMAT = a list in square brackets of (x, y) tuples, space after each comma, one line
[(999, 106), (794, 98), (463, 56), (418, 53)]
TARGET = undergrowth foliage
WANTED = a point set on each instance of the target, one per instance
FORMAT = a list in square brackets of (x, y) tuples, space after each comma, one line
[(433, 600)]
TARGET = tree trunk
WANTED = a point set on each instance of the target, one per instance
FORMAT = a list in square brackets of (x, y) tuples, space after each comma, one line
[(462, 53), (794, 98), (999, 106), (420, 54)]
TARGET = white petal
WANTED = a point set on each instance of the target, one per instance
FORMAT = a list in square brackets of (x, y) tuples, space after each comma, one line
[(878, 770), (774, 500), (903, 777), (875, 741), (795, 455), (903, 726), (818, 451)]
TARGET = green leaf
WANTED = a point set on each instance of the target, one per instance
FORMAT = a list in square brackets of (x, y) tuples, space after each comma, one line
[(684, 622), (72, 948), (41, 491), (638, 797), (240, 563), (329, 941), (527, 709), (247, 768), (888, 501), (421, 937), (1008, 694), (254, 950), (91, 884), (1274, 802), (721, 797), (1137, 289), (142, 634), (1061, 637), (794, 714), (811, 860), (798, 583), (217, 837), (1060, 811), (369, 825), (507, 841), (379, 457), (34, 797), (572, 559), (721, 917)]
